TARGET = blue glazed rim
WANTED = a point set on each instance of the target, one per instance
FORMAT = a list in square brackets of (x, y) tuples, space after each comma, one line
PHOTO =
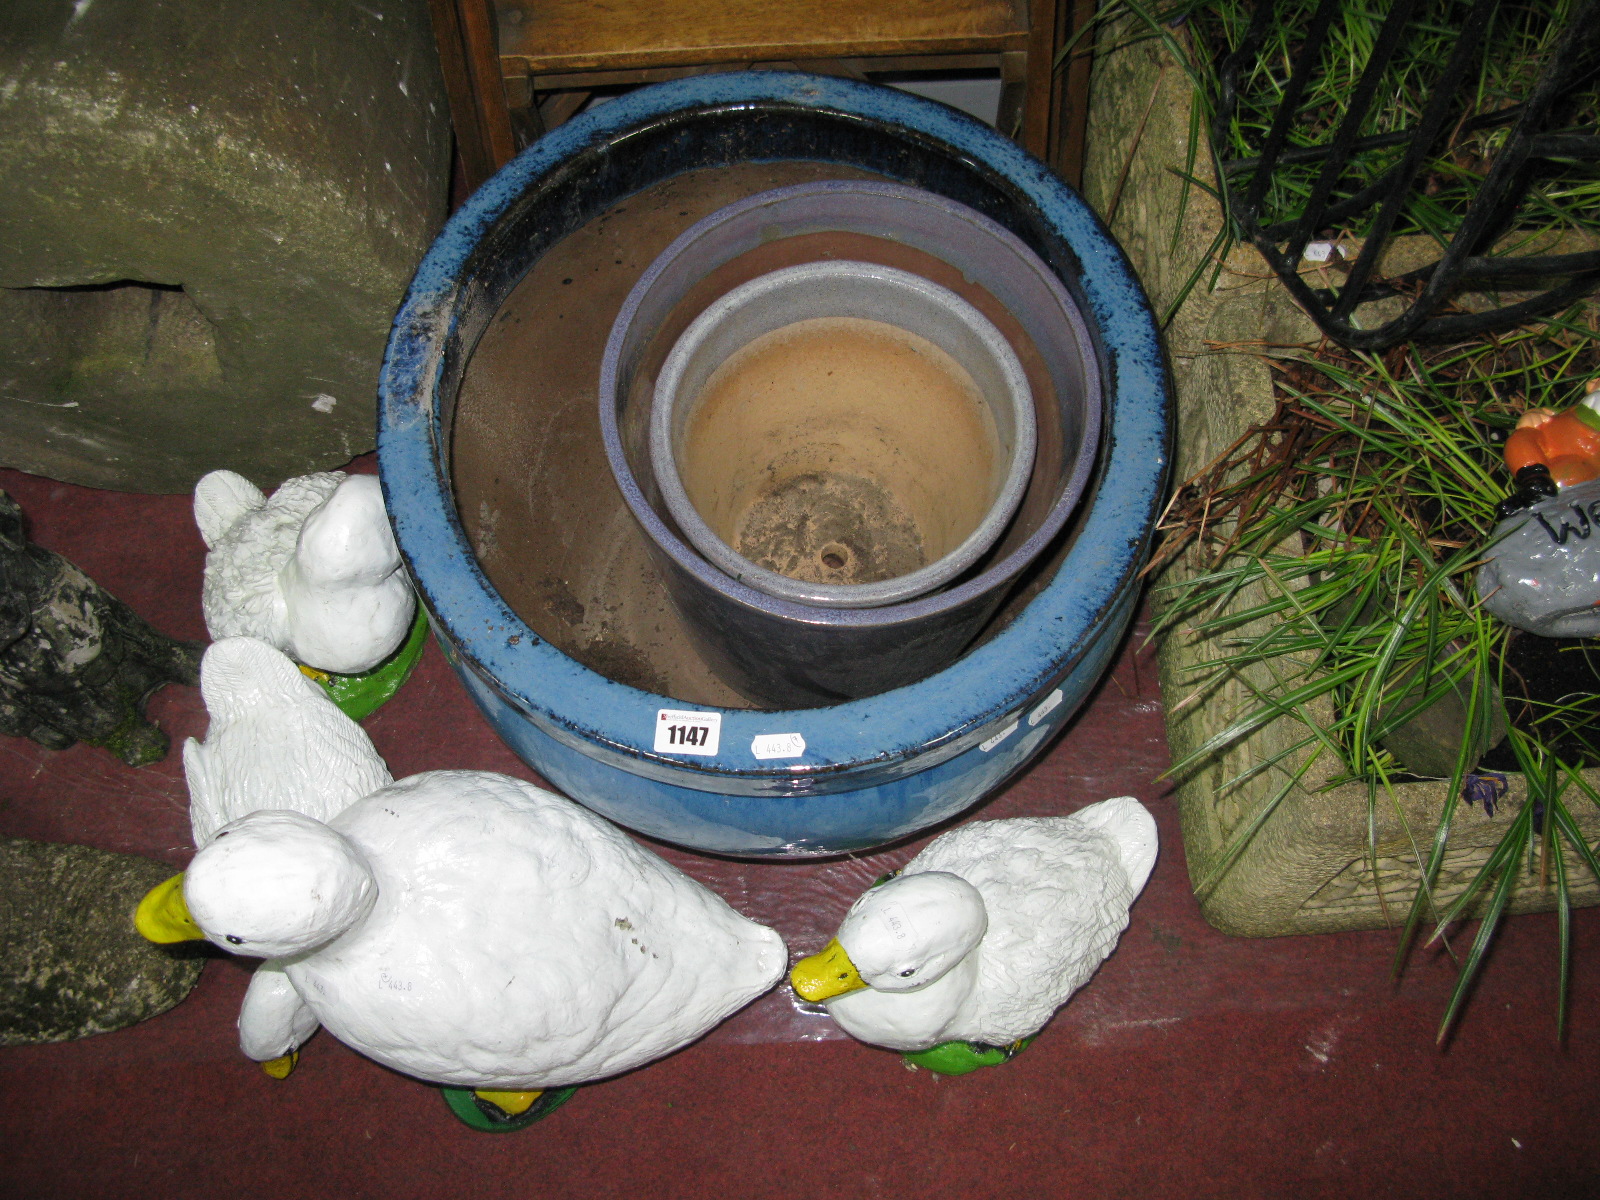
[(975, 695)]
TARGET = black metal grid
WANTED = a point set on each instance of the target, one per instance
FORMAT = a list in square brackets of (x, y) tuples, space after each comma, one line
[(1466, 263)]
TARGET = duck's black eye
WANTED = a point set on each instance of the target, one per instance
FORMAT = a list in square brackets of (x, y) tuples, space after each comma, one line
[(908, 973), (237, 941)]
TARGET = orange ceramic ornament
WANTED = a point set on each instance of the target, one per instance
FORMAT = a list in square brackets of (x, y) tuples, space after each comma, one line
[(1568, 443)]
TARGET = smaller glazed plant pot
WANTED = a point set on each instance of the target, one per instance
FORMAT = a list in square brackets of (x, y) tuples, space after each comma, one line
[(842, 434), (789, 643)]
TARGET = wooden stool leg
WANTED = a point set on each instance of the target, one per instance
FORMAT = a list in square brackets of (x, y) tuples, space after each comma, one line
[(1038, 73), (468, 54), (1070, 93), (1015, 87)]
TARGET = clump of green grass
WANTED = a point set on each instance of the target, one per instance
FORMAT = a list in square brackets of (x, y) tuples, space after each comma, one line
[(1357, 516), (1519, 41), (1240, 76)]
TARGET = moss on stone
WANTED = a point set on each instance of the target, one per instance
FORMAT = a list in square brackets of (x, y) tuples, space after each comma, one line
[(73, 963)]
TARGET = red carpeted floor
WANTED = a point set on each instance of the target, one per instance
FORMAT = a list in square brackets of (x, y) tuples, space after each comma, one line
[(1193, 1065)]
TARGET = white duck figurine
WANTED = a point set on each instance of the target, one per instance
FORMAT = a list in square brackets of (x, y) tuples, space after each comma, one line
[(989, 930), (313, 571), (275, 741), (471, 930)]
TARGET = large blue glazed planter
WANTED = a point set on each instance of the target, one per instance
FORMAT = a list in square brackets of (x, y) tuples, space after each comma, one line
[(872, 771)]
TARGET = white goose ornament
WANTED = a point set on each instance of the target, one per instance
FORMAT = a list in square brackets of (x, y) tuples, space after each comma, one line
[(984, 934), (275, 741), (471, 930), (313, 571)]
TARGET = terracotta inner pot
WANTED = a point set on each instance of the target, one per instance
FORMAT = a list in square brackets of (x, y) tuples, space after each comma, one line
[(841, 433), (841, 450), (812, 247)]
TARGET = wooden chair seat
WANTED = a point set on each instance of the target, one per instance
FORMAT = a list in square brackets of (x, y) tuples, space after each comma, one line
[(516, 68), (581, 35)]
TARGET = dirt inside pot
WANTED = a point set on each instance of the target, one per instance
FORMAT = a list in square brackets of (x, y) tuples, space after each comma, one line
[(533, 490), (840, 450)]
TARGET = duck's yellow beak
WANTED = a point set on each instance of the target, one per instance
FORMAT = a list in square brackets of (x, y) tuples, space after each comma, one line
[(163, 917), (826, 974)]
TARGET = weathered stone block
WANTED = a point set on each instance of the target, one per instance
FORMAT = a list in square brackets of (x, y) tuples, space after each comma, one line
[(77, 664), (211, 212), (73, 964)]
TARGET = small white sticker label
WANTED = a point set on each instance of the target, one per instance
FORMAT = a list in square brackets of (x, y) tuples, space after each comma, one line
[(1045, 708), (679, 731), (777, 745), (991, 742)]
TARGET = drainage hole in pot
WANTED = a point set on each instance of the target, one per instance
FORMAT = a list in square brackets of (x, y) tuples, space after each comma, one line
[(832, 528)]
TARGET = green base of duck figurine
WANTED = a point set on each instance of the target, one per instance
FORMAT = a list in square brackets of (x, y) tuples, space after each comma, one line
[(963, 1058), (489, 1118), (362, 695)]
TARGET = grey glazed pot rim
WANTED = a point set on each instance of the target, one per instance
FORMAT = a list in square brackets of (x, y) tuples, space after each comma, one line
[(859, 289), (616, 366)]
